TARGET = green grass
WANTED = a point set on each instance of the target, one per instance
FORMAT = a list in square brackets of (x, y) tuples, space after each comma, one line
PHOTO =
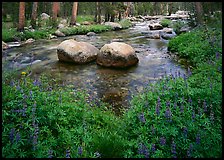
[(82, 18), (165, 22)]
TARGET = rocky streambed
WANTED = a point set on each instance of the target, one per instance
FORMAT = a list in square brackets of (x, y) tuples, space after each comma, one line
[(115, 86)]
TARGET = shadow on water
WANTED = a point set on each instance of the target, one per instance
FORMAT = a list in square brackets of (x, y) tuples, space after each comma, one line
[(114, 86)]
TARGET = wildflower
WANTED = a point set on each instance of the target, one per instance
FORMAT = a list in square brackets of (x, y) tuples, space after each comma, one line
[(12, 83), (36, 82), (189, 71), (179, 74), (80, 150), (189, 151), (219, 68), (193, 115), (68, 153), (97, 155), (23, 73), (175, 105), (190, 101), (143, 150), (185, 132), (50, 153), (11, 135), (17, 137), (162, 141), (217, 55), (153, 148), (142, 118), (205, 106), (198, 138), (157, 110), (168, 103), (173, 148), (168, 114)]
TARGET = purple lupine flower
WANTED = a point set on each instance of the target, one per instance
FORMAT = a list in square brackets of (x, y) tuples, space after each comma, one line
[(142, 118), (168, 103), (199, 101), (97, 155), (36, 82), (17, 137), (12, 83), (168, 114), (190, 101), (67, 153), (143, 150), (18, 87), (173, 148), (35, 137), (175, 105), (154, 75), (198, 138), (153, 148), (185, 130), (11, 135), (176, 74), (189, 151), (146, 104), (179, 75), (157, 110), (50, 154), (189, 71), (31, 94), (60, 99), (205, 106), (80, 150), (199, 111), (219, 68), (217, 55), (24, 110), (162, 141), (193, 115)]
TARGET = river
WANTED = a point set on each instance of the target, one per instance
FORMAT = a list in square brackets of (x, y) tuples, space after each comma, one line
[(115, 86)]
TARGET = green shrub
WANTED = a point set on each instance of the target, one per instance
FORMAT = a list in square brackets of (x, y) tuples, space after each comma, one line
[(125, 23), (198, 46), (165, 22), (177, 26)]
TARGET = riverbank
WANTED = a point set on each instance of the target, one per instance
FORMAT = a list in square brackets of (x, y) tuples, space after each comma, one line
[(10, 35)]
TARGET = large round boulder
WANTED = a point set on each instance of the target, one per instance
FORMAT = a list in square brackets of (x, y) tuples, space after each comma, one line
[(117, 54), (77, 52), (113, 25)]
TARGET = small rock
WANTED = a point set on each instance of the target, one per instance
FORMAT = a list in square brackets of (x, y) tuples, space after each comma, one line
[(4, 45), (91, 34), (86, 23), (30, 40), (59, 33)]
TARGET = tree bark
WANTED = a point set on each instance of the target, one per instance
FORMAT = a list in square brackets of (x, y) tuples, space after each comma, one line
[(127, 12), (199, 12), (74, 13), (54, 13), (21, 16), (34, 14)]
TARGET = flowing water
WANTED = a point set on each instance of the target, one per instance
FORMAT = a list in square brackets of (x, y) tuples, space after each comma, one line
[(115, 86)]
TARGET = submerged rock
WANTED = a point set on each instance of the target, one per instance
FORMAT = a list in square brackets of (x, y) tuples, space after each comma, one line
[(118, 55), (155, 26), (77, 52)]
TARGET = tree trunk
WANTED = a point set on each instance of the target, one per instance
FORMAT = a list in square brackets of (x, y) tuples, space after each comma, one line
[(96, 12), (99, 13), (34, 14), (54, 13), (74, 13), (21, 16), (170, 8), (199, 12), (127, 12)]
